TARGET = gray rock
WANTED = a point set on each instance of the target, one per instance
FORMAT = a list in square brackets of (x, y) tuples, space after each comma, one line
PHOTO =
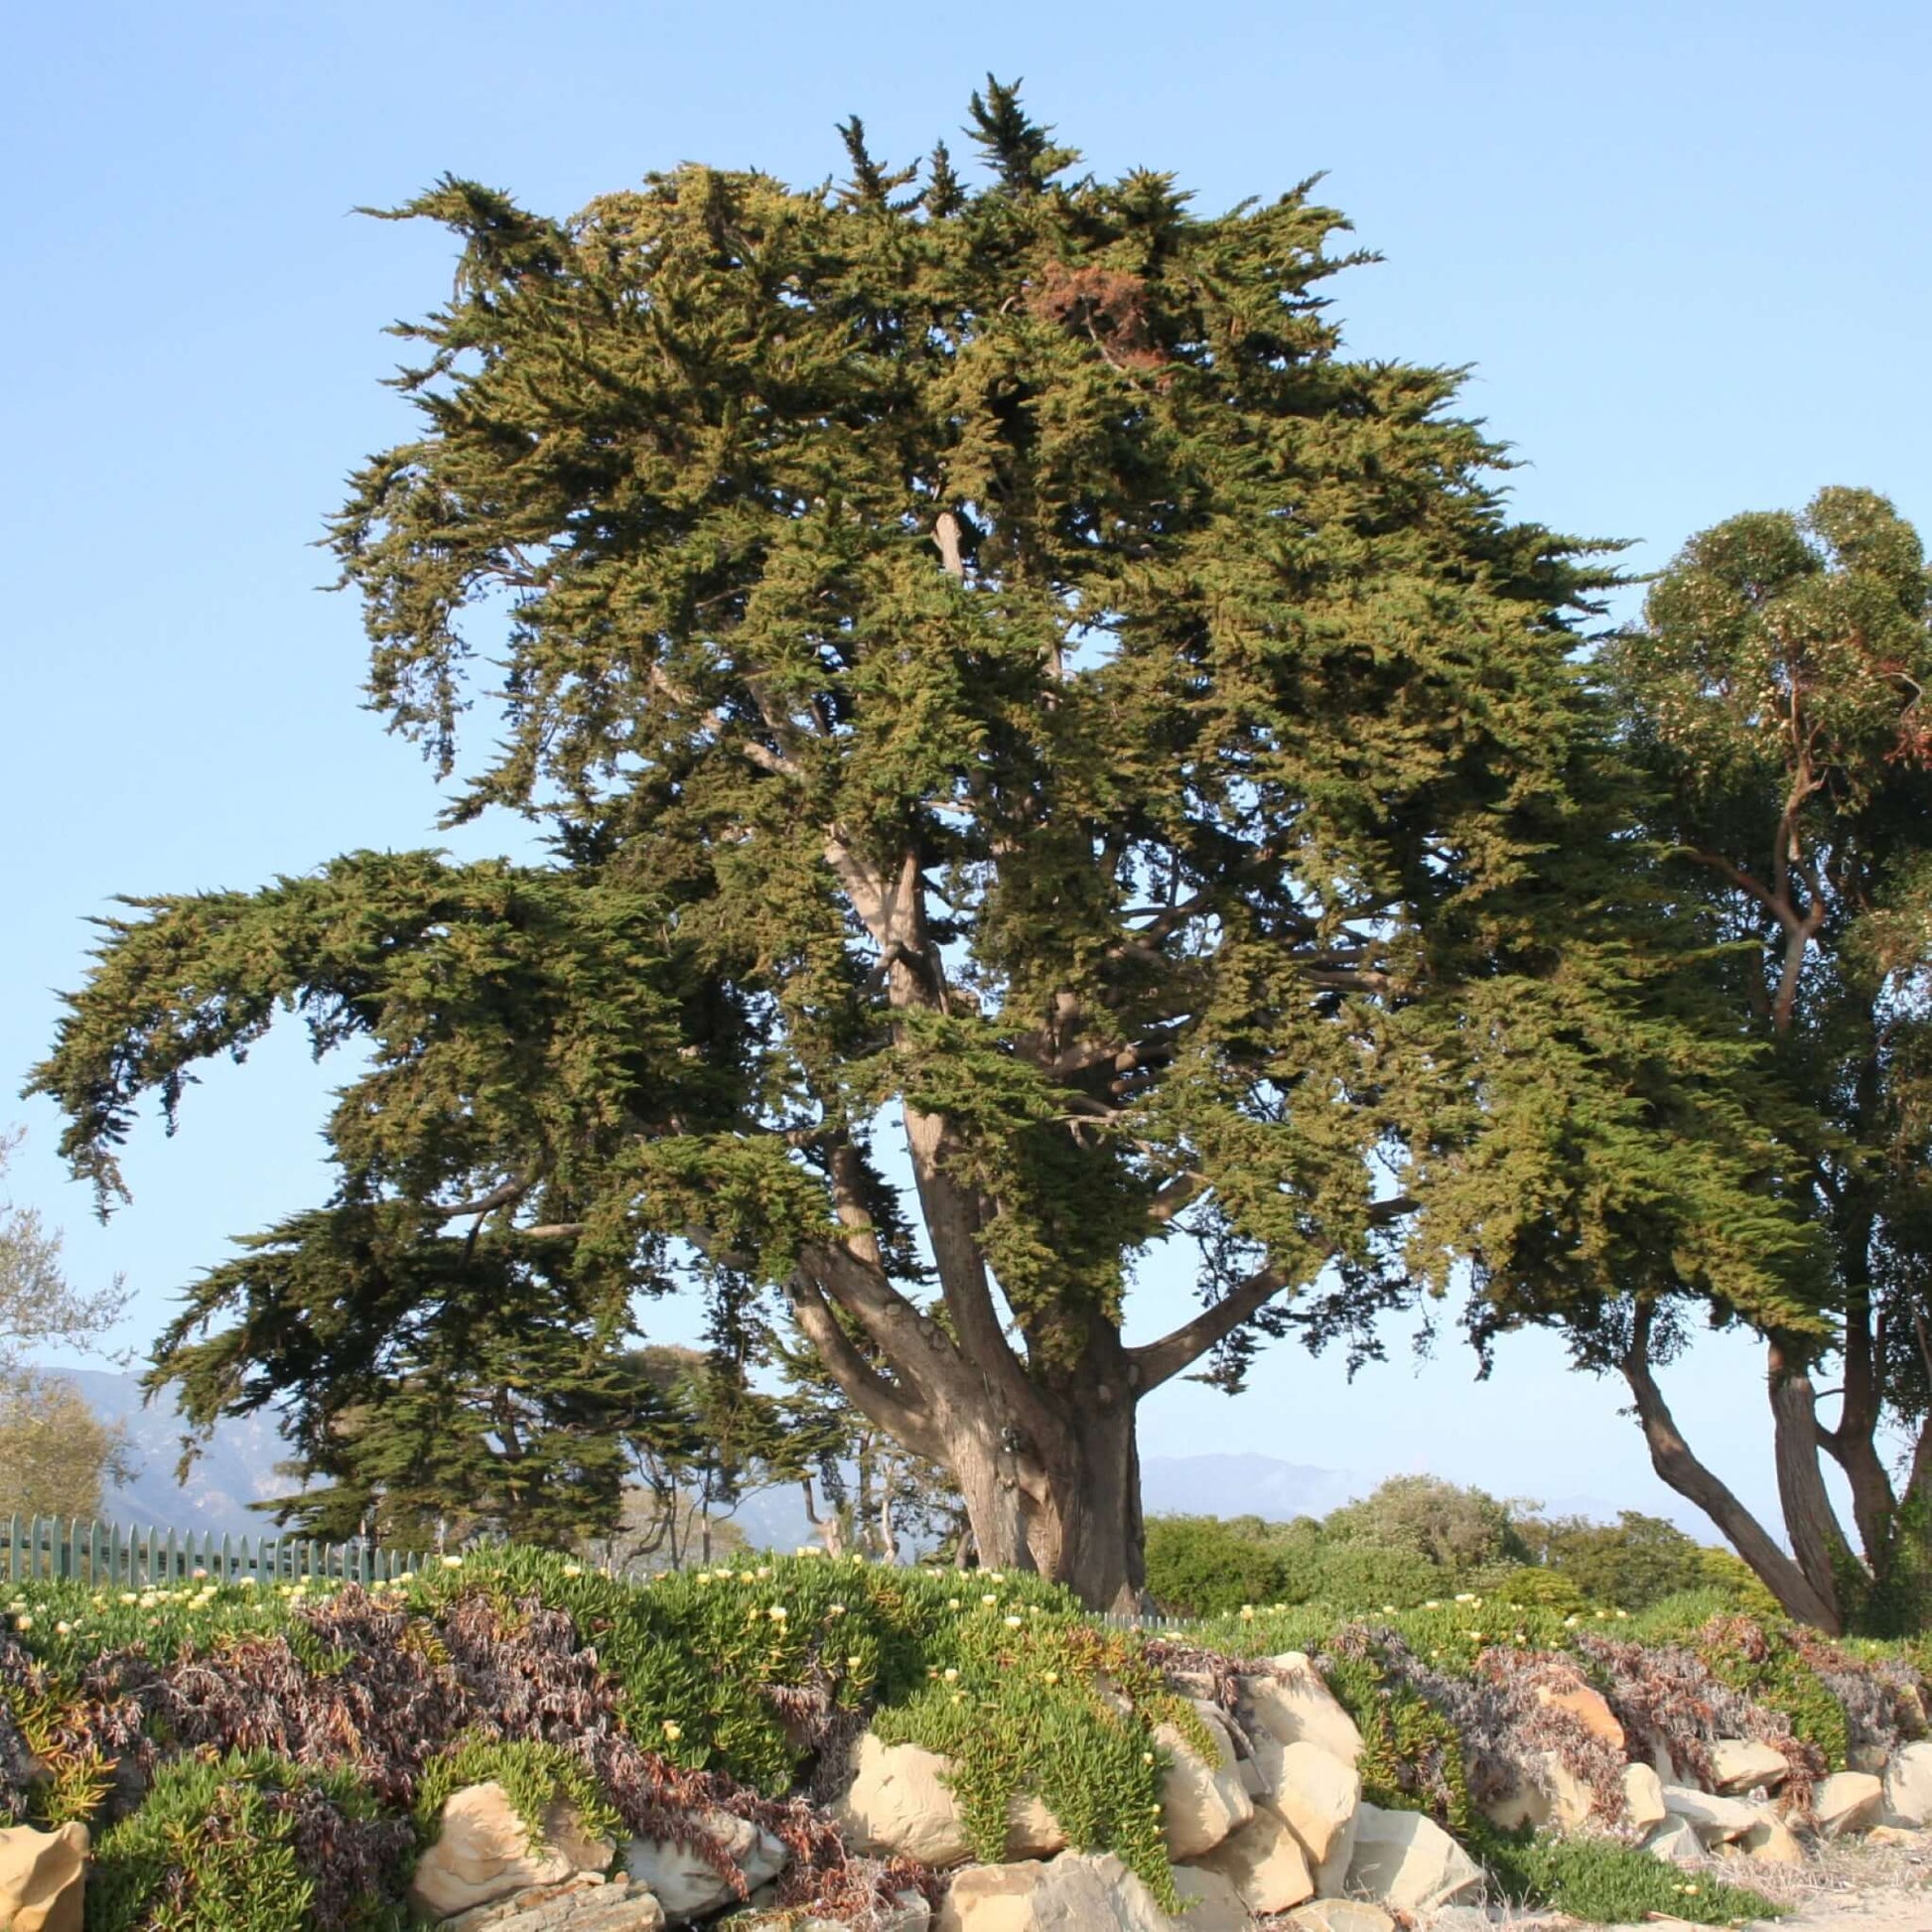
[(688, 1887), (1404, 1860), (1908, 1786), (1675, 1842), (1712, 1818), (1339, 1915)]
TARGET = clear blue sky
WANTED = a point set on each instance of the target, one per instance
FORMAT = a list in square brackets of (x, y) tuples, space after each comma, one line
[(1684, 248)]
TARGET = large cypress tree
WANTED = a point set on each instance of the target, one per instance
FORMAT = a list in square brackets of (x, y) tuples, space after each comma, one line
[(998, 679)]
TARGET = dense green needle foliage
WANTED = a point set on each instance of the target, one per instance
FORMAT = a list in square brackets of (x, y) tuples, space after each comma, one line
[(991, 666)]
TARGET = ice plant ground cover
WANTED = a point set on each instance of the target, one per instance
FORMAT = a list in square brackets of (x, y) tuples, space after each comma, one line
[(259, 1758)]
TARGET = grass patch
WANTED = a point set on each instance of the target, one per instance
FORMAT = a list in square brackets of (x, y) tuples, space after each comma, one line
[(1610, 1884)]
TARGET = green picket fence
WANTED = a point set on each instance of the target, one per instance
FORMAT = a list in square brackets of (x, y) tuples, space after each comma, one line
[(43, 1546)]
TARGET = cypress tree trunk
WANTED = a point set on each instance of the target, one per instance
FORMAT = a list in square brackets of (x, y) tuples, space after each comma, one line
[(1069, 1509)]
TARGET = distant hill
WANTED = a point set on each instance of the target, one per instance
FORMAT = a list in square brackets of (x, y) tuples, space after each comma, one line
[(235, 1467), (1244, 1485)]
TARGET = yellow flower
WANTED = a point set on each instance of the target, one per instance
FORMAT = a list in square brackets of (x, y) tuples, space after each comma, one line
[(572, 1570), (854, 1661), (837, 1610), (1049, 1677), (23, 1622), (1014, 1622), (950, 1674), (1147, 1757), (452, 1563), (1247, 1613), (953, 1602), (989, 1599), (778, 1612), (672, 1732)]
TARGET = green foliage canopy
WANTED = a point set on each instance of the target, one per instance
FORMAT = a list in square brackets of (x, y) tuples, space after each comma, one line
[(985, 656)]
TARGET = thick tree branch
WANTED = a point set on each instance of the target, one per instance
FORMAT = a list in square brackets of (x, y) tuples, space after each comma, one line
[(505, 1194), (904, 1418), (1160, 1361)]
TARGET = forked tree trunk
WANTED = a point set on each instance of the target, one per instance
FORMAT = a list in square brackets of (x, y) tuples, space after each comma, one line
[(1676, 1464), (1070, 1510)]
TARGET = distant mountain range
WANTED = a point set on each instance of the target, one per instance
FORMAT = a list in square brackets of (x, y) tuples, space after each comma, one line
[(236, 1466)]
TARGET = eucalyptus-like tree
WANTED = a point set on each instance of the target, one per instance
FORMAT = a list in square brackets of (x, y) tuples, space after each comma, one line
[(1776, 691), (1000, 683)]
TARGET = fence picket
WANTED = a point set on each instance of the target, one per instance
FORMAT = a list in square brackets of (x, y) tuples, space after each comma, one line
[(134, 1557)]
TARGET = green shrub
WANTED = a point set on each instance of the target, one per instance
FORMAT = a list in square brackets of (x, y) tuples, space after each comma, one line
[(1527, 1588), (1628, 1565), (1729, 1574), (1766, 1665), (1606, 1883), (1452, 1528), (1200, 1565), (1365, 1578), (1412, 1756), (250, 1842), (1018, 1710)]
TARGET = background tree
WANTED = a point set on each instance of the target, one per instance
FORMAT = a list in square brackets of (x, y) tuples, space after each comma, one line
[(991, 669), (56, 1455), (863, 1492), (1455, 1527), (1628, 1565), (1775, 691)]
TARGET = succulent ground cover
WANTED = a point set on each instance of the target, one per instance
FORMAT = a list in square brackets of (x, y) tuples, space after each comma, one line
[(269, 1757)]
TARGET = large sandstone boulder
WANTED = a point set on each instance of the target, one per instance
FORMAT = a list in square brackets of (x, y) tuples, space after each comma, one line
[(687, 1885), (1404, 1860), (1297, 1706), (1742, 1765), (1848, 1801), (41, 1874), (1908, 1786), (1263, 1862), (1714, 1819), (484, 1852), (899, 1803), (1078, 1892), (1772, 1840), (1314, 1793), (1200, 1802), (1644, 1798), (1587, 1706)]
